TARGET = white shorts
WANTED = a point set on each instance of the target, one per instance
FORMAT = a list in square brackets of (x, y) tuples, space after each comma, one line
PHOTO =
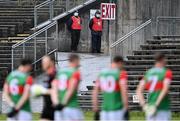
[(160, 116), (112, 115), (69, 114), (21, 116)]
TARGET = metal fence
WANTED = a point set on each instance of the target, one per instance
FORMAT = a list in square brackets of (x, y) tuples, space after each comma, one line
[(131, 41), (37, 45), (46, 11), (166, 25)]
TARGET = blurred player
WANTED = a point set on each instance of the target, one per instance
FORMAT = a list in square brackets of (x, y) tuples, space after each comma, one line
[(156, 81), (112, 82), (64, 94), (17, 91), (48, 65)]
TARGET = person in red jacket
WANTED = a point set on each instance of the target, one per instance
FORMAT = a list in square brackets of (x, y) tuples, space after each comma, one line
[(74, 25), (96, 26)]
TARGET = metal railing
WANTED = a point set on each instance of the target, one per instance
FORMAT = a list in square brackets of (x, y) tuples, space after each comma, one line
[(48, 3), (37, 45), (167, 25), (70, 8), (131, 41)]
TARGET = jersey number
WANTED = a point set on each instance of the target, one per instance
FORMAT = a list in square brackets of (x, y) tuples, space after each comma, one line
[(108, 84), (62, 82), (154, 80), (14, 90)]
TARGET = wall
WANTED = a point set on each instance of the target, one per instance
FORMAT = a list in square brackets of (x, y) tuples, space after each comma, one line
[(85, 40), (132, 13)]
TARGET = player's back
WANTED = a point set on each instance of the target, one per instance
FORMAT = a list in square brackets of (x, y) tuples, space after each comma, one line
[(63, 77), (109, 84), (16, 81), (155, 78)]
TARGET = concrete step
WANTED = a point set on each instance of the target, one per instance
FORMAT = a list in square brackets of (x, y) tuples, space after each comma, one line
[(16, 17), (136, 77), (163, 41), (145, 67), (159, 46), (152, 52), (25, 20), (143, 72), (147, 62), (150, 57)]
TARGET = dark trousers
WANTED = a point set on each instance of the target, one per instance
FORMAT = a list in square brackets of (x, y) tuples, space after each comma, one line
[(75, 36), (96, 43)]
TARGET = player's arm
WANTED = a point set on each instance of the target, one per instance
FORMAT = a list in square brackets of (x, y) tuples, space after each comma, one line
[(7, 96), (26, 93), (124, 89), (73, 85), (95, 96), (166, 85), (54, 92), (139, 92)]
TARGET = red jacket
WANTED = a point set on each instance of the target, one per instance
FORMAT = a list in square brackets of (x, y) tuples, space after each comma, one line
[(76, 23), (97, 24)]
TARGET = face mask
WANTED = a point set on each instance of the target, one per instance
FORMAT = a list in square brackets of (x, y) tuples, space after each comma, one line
[(98, 15), (76, 14)]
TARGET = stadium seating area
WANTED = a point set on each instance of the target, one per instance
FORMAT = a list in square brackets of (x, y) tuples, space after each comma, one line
[(142, 60), (15, 25)]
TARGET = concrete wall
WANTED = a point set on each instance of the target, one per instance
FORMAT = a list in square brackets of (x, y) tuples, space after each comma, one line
[(130, 14), (85, 40)]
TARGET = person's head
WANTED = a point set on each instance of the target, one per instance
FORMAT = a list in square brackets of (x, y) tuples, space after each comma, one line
[(160, 60), (98, 14), (47, 63), (74, 60), (76, 13), (118, 62), (25, 65)]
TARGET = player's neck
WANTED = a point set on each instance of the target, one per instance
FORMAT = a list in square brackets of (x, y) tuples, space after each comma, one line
[(159, 65), (21, 69)]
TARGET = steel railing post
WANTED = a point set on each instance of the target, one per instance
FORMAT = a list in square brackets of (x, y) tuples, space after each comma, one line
[(51, 9), (12, 59), (35, 41), (57, 35), (46, 43), (23, 50), (35, 16)]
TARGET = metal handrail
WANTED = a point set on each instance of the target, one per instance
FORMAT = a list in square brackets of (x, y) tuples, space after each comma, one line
[(34, 35), (47, 54), (166, 18), (130, 34), (63, 14), (44, 3), (50, 2)]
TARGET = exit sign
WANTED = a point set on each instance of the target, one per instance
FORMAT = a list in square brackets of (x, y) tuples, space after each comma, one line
[(108, 11)]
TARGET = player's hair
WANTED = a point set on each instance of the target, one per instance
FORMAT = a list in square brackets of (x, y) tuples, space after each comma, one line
[(118, 59), (25, 62), (51, 58), (73, 57), (159, 57)]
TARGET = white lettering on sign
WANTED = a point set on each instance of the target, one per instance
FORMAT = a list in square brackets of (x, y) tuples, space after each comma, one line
[(108, 11), (135, 99)]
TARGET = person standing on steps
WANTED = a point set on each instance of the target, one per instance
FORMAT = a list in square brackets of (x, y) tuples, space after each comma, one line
[(74, 25), (96, 26)]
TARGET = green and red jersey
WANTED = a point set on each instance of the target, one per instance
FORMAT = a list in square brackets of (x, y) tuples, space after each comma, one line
[(63, 78), (154, 81), (109, 81), (16, 82)]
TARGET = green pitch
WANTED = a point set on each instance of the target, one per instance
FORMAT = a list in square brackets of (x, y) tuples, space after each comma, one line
[(89, 116)]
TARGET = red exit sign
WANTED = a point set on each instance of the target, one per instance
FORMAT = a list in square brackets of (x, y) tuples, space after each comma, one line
[(108, 11)]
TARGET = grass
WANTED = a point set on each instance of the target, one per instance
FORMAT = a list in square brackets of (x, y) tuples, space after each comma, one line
[(138, 116)]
